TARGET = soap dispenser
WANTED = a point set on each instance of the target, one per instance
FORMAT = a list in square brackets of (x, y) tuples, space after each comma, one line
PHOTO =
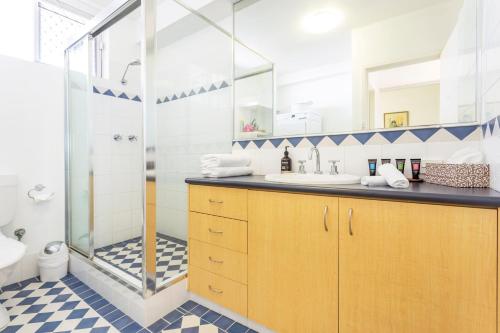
[(286, 162)]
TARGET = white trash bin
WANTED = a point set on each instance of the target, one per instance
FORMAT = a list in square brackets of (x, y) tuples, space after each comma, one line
[(53, 262)]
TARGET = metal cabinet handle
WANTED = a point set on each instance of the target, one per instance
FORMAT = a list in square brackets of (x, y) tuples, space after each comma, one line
[(325, 217), (215, 290), (215, 261), (215, 201), (212, 231), (350, 221)]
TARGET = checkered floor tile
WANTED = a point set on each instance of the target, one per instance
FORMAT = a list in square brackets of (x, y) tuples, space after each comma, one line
[(192, 317), (70, 306), (64, 306), (171, 257)]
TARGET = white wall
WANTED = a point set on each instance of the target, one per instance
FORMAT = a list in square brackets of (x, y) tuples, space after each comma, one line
[(17, 29), (458, 69), (422, 102), (329, 88), (415, 36), (32, 146), (491, 87)]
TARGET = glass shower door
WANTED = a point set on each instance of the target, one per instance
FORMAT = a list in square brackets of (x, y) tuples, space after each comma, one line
[(78, 176)]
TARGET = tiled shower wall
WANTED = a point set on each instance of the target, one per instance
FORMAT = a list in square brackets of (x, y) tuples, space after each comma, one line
[(490, 88), (188, 128), (117, 164)]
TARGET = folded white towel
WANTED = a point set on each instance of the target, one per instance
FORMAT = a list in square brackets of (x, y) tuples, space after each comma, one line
[(393, 176), (466, 155), (226, 172), (224, 160), (373, 181)]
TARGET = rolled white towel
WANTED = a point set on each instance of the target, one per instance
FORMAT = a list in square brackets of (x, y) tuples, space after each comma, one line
[(373, 181), (226, 172), (393, 176), (466, 155), (224, 160)]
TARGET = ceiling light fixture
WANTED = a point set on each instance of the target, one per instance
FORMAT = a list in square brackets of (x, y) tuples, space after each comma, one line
[(322, 21)]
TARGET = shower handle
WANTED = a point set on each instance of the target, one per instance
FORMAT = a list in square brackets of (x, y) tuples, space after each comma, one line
[(117, 137), (132, 138)]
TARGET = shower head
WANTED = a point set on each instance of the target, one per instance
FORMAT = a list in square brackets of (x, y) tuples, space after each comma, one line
[(133, 63)]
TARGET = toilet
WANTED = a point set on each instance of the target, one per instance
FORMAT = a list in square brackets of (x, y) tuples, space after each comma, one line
[(11, 250)]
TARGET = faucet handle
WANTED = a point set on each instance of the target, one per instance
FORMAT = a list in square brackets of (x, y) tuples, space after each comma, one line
[(302, 168), (333, 167)]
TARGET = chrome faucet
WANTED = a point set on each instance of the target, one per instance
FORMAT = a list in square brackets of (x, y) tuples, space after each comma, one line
[(334, 170), (318, 163)]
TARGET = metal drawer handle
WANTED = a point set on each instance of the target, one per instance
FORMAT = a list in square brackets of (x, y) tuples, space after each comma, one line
[(325, 217), (215, 290), (215, 231), (215, 261), (350, 222), (215, 201)]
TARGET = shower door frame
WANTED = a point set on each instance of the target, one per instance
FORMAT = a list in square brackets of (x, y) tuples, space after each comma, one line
[(113, 13)]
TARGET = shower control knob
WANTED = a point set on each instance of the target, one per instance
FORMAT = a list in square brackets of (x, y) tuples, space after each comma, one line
[(117, 137), (132, 138)]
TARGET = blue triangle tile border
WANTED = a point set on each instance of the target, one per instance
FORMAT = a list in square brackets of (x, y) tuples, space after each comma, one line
[(424, 134), (420, 135), (461, 132), (276, 142), (491, 125), (166, 98), (363, 137), (338, 138), (391, 136), (315, 140)]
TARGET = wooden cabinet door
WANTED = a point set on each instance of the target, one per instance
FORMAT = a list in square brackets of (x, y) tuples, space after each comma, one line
[(416, 268), (293, 262)]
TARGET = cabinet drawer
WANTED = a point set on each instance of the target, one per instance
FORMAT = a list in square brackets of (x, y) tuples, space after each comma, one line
[(220, 231), (219, 201), (230, 294), (229, 264)]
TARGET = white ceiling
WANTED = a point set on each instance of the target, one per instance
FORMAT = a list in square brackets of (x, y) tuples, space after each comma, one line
[(273, 27)]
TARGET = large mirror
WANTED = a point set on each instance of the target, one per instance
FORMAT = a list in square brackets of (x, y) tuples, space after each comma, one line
[(309, 67)]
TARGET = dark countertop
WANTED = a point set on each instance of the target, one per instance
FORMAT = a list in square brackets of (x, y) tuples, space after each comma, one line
[(424, 192)]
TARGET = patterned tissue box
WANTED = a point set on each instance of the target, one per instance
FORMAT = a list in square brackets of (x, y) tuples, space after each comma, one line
[(458, 175)]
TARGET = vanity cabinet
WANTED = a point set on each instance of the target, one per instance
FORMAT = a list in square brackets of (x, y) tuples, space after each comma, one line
[(292, 261), (323, 263), (413, 268), (218, 246)]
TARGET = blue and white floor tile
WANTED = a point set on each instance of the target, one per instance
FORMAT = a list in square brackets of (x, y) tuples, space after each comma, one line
[(171, 257), (192, 317), (70, 306)]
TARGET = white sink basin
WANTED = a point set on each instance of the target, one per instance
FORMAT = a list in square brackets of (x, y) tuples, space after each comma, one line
[(313, 179)]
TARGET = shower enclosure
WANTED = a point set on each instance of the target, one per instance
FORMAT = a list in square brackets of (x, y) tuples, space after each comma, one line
[(148, 91)]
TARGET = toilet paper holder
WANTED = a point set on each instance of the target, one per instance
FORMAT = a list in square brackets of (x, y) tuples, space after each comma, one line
[(39, 198)]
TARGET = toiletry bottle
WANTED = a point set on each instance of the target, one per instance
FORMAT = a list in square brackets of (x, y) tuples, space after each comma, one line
[(372, 166), (415, 168), (286, 162)]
